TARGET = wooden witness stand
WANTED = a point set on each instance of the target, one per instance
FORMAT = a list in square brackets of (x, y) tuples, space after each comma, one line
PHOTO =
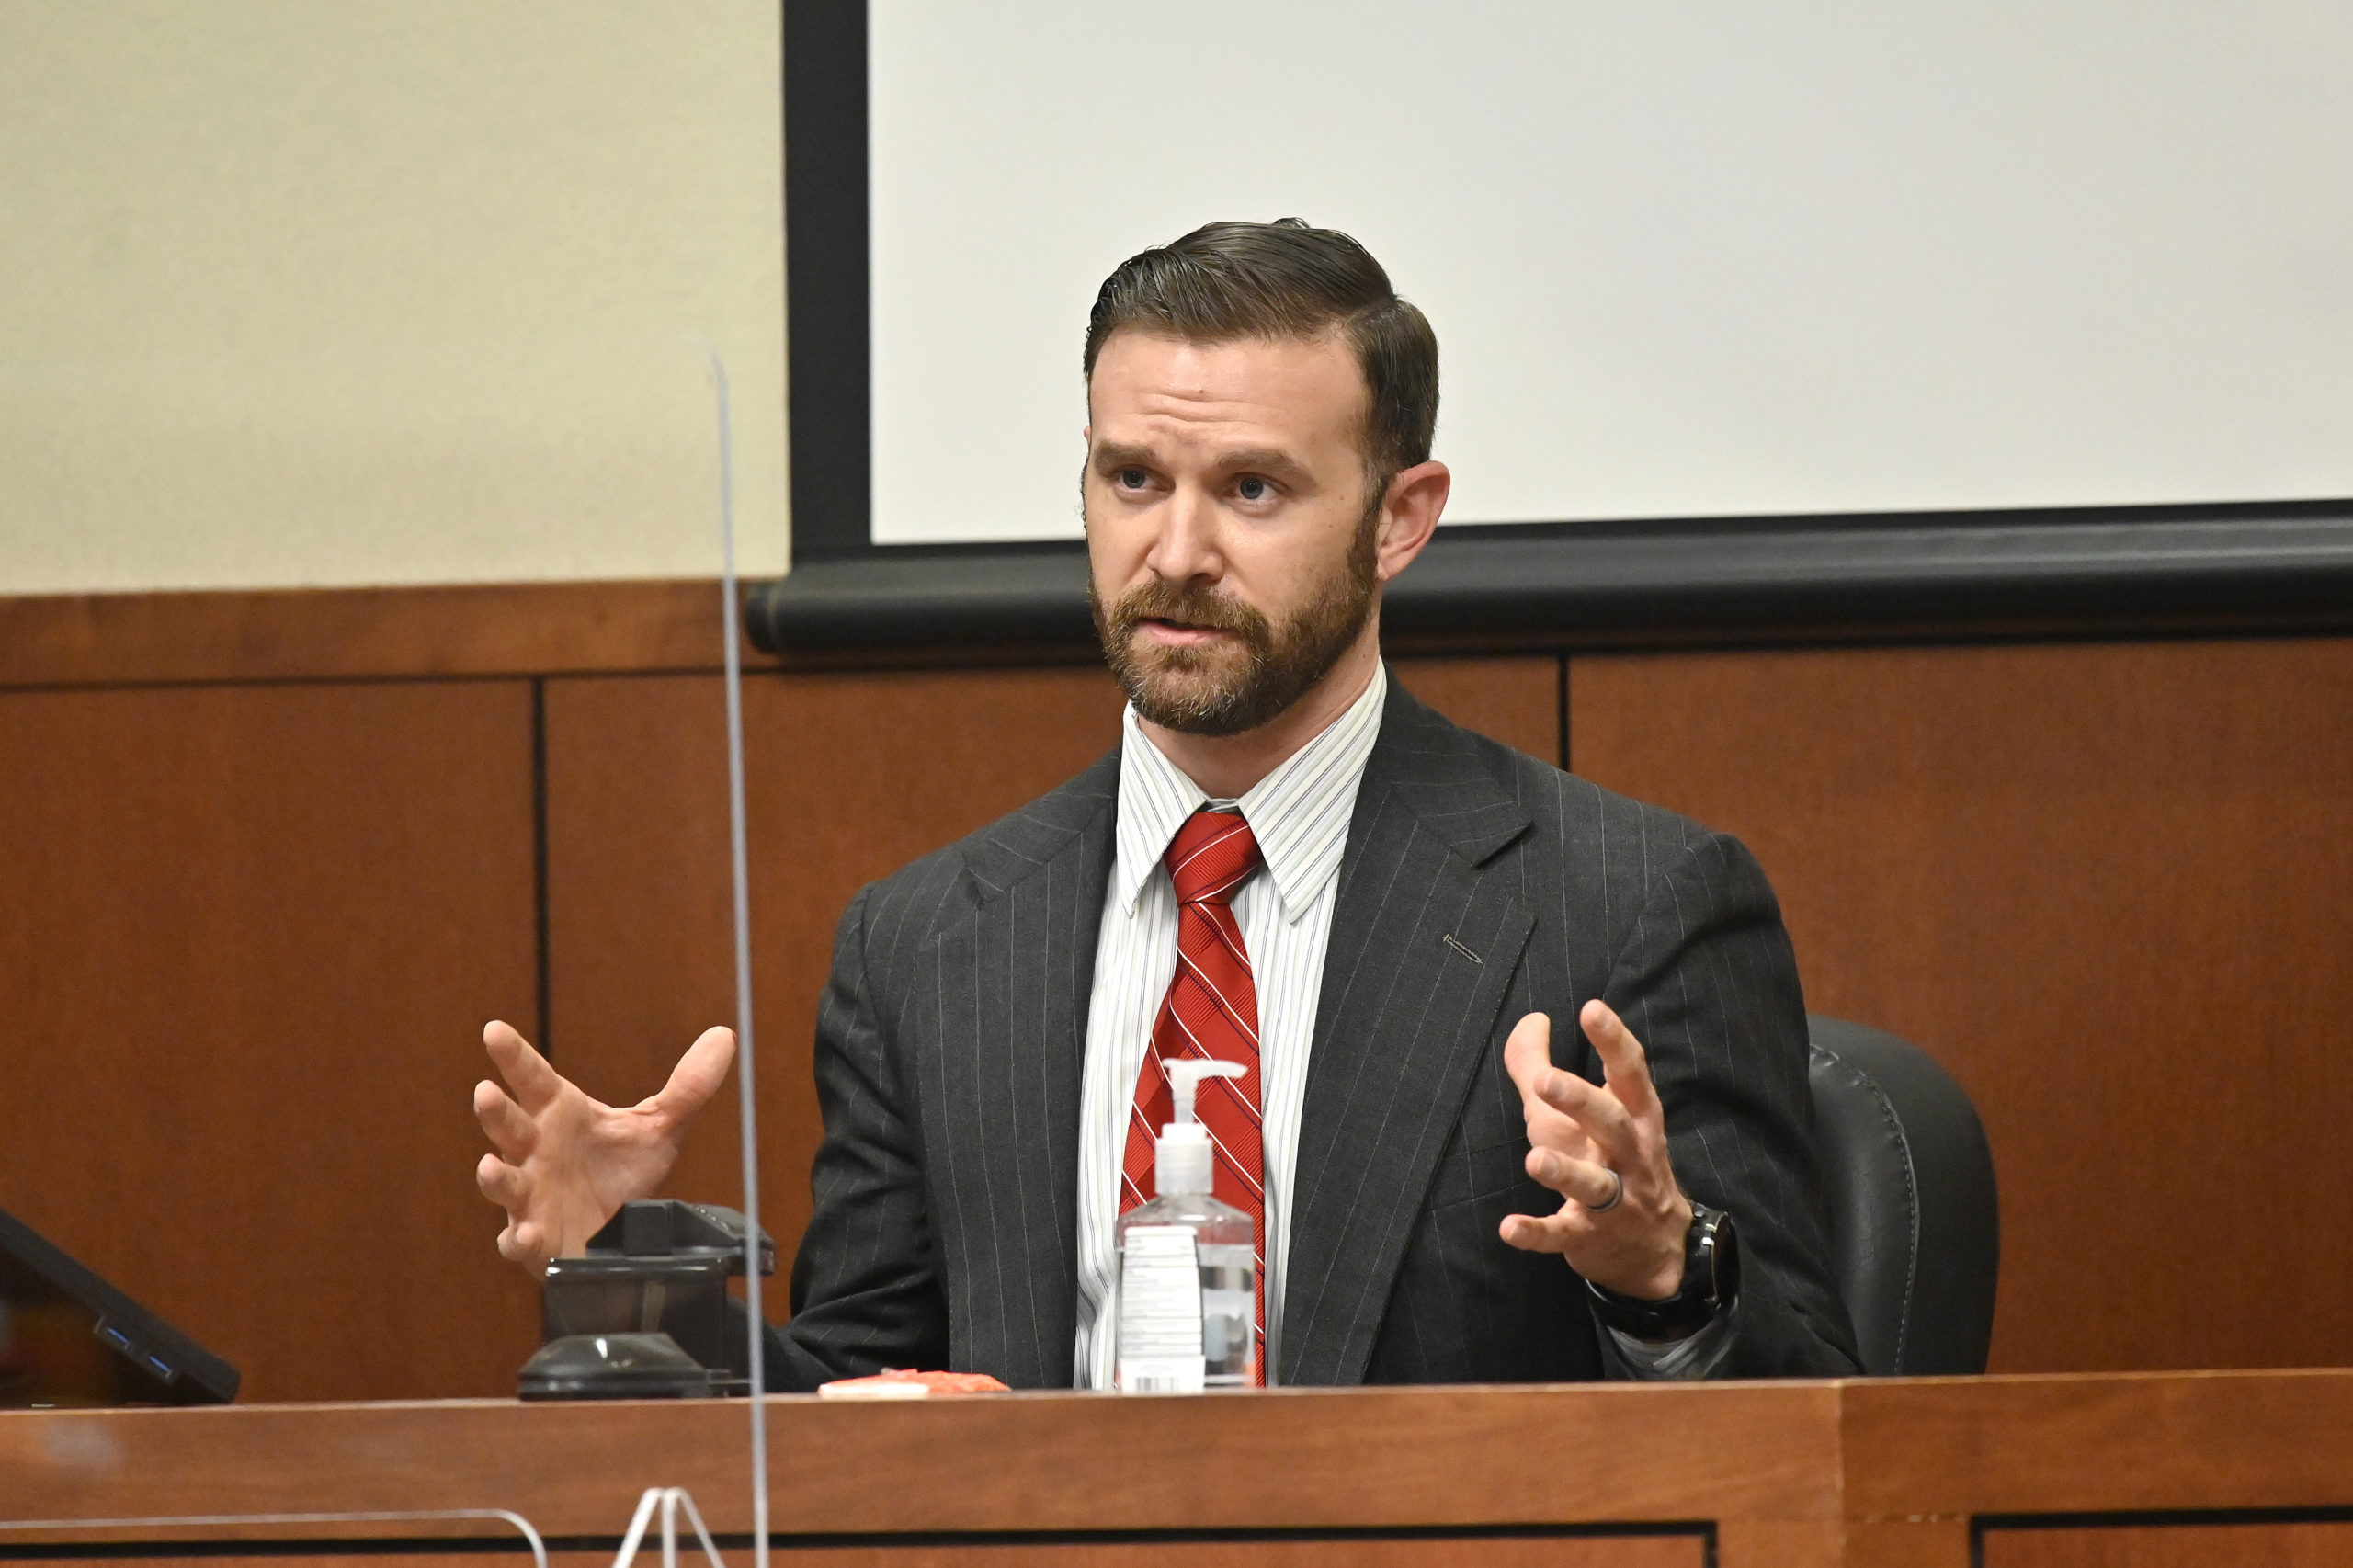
[(2178, 1468)]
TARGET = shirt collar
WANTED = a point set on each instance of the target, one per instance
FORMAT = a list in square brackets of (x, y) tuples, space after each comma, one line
[(1299, 813)]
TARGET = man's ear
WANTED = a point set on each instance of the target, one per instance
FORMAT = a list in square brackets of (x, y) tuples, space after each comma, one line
[(1409, 515)]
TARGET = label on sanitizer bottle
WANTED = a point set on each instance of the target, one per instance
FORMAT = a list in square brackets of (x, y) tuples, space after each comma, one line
[(1160, 1310)]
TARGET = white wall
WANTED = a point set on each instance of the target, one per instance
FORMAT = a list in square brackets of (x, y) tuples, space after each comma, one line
[(300, 293), (1705, 257)]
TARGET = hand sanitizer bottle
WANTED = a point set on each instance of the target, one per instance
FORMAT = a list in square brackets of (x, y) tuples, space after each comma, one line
[(1189, 1272)]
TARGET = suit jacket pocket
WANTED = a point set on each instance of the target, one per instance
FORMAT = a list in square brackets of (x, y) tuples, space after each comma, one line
[(1467, 1175)]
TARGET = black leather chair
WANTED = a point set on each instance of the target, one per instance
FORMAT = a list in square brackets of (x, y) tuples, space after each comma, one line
[(1915, 1229)]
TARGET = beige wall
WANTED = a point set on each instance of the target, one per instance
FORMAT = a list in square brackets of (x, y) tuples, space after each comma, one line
[(385, 291)]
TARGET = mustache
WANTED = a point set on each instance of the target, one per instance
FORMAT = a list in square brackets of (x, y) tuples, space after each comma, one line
[(1161, 601)]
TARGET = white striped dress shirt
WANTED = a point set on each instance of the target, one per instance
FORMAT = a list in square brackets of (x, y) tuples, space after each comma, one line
[(1300, 814)]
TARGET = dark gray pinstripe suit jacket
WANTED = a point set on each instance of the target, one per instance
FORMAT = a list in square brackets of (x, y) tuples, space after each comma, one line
[(1479, 885)]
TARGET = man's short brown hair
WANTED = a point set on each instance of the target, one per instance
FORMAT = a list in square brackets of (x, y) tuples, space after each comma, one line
[(1225, 281)]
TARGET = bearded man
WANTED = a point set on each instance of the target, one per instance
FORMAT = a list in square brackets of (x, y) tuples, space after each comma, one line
[(1289, 863)]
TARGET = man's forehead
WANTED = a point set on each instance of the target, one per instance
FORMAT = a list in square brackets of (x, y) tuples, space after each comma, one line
[(1308, 386)]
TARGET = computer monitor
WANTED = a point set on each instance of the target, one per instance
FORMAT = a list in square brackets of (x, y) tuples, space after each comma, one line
[(68, 1338)]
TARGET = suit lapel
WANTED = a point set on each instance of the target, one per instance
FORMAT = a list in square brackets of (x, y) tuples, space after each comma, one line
[(1423, 946), (1001, 1067)]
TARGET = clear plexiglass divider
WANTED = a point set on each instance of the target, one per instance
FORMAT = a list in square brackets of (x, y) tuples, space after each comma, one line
[(397, 462)]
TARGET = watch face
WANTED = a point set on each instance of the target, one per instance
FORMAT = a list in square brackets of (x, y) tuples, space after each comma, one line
[(1724, 1263)]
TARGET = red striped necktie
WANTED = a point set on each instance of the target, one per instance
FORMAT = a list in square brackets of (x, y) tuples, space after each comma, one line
[(1211, 1013)]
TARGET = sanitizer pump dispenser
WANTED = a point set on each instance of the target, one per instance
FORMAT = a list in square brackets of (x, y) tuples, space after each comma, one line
[(1188, 1273)]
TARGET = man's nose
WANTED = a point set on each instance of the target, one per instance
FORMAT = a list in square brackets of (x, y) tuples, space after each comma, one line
[(1187, 547)]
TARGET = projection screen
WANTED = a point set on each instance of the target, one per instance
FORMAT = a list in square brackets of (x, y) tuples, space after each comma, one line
[(1684, 261)]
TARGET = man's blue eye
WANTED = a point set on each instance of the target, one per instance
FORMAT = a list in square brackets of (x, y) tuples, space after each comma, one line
[(1252, 489), (1130, 478)]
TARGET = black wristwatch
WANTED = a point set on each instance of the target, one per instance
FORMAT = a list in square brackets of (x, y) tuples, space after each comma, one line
[(1710, 1285)]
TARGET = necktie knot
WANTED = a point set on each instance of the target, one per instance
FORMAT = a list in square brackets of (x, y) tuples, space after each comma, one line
[(1211, 857)]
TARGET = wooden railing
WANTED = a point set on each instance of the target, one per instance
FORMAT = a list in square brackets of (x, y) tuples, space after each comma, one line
[(2021, 1473)]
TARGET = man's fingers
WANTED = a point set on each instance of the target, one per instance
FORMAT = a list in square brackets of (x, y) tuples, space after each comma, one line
[(1588, 1182), (1528, 1052), (1555, 1232), (523, 1243), (526, 1073), (501, 1183), (698, 1074), (1595, 1110), (510, 1131), (1624, 1067)]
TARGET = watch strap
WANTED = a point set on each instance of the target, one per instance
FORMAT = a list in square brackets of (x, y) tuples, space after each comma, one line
[(1710, 1285)]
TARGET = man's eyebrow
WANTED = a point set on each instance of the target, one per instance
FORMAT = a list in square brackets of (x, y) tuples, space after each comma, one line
[(1270, 460), (1118, 454), (1241, 459)]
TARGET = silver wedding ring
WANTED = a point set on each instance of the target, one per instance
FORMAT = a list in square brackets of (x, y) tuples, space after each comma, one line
[(1617, 1194)]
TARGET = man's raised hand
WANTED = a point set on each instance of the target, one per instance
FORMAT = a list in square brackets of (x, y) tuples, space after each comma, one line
[(566, 1164), (1603, 1149)]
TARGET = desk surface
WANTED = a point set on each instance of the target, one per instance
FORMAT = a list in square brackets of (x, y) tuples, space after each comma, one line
[(1895, 1471)]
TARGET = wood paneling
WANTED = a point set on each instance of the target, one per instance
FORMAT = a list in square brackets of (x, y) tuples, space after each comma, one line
[(250, 935), (1517, 701), (1914, 1542), (351, 634), (1871, 1474), (2106, 887), (849, 777), (2103, 883), (1317, 1461), (1351, 1552), (1182, 1553), (2173, 1546), (2119, 1443)]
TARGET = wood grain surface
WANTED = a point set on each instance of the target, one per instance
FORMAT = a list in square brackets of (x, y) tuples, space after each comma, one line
[(2052, 1471), (1182, 1553), (1286, 1552), (1296, 1460), (2106, 887), (1515, 700), (249, 936), (2118, 1443), (355, 634), (848, 776), (2282, 1545)]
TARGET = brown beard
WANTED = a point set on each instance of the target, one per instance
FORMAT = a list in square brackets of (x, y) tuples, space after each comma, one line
[(1223, 689)]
